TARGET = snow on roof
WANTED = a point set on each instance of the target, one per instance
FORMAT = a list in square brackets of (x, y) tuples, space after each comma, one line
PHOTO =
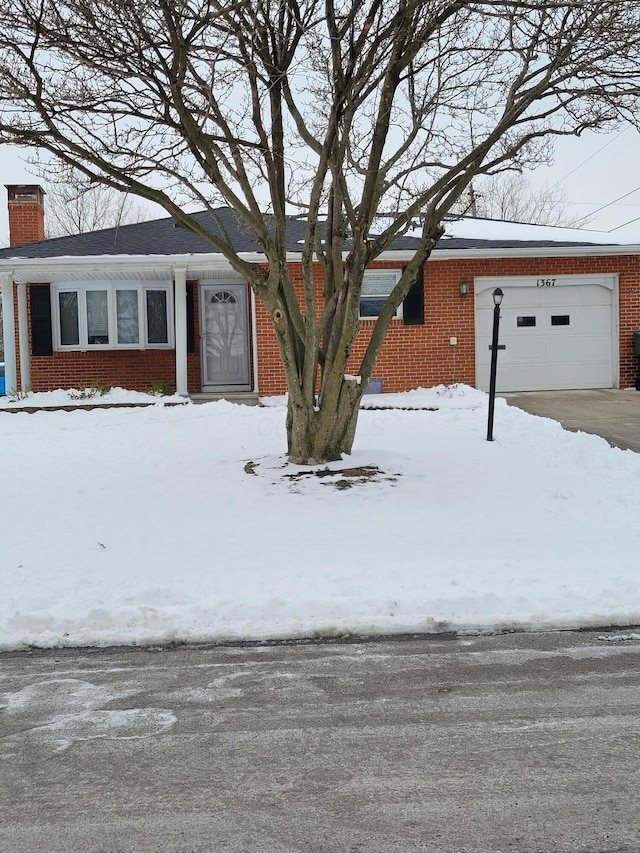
[(477, 228)]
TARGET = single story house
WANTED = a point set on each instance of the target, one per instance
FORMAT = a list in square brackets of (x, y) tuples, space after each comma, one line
[(151, 304)]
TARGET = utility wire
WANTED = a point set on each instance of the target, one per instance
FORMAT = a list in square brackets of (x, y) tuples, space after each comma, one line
[(590, 157), (605, 206), (630, 222), (591, 203), (583, 163)]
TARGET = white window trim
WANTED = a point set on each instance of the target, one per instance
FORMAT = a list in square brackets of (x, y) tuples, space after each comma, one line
[(372, 273), (111, 287)]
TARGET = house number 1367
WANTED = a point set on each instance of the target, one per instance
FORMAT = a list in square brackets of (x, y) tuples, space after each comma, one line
[(545, 282)]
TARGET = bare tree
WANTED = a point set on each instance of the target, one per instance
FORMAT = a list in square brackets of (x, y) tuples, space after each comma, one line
[(511, 197), (75, 206), (340, 109)]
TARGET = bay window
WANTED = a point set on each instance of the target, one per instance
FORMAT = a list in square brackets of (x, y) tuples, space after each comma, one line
[(113, 315)]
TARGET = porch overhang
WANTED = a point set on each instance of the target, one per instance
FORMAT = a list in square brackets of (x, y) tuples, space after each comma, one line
[(115, 267), (16, 273)]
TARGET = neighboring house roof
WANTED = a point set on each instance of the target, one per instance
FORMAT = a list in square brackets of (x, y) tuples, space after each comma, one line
[(164, 237)]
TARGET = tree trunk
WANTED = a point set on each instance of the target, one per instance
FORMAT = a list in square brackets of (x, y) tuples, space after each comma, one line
[(323, 434)]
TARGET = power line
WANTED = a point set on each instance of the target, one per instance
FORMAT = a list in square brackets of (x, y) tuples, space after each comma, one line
[(609, 204), (630, 222), (590, 157), (591, 203)]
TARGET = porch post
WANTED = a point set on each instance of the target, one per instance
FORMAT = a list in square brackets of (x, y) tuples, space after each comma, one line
[(180, 279), (9, 332), (23, 338)]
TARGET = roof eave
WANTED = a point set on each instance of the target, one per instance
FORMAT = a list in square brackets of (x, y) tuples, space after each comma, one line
[(24, 270), (519, 252)]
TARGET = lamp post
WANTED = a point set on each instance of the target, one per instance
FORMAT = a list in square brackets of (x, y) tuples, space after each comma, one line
[(497, 300)]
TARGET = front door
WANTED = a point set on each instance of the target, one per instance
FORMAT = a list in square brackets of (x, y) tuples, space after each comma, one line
[(225, 336)]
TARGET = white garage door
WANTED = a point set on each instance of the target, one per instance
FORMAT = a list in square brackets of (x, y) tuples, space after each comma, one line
[(555, 333)]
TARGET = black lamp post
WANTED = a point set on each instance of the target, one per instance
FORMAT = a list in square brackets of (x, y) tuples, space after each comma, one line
[(497, 300)]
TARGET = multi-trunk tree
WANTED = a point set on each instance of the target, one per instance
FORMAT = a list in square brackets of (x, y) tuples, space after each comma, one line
[(368, 117)]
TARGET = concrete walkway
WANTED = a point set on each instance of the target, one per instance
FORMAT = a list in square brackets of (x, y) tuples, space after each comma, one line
[(609, 412)]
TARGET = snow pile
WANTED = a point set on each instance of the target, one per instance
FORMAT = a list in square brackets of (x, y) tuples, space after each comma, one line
[(619, 638), (180, 523), (440, 397), (91, 396)]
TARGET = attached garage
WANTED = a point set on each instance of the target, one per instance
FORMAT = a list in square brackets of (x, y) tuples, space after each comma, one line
[(556, 332)]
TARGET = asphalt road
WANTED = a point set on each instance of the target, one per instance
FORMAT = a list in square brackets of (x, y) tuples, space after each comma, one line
[(512, 743)]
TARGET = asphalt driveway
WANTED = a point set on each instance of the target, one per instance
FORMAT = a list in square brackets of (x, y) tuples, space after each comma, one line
[(609, 412)]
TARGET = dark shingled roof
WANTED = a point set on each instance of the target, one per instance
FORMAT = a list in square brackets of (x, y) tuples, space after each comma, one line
[(164, 237)]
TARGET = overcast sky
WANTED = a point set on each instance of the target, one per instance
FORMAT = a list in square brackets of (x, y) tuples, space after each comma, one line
[(593, 171)]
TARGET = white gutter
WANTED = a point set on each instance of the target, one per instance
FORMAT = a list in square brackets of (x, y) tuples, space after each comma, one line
[(522, 252), (41, 269)]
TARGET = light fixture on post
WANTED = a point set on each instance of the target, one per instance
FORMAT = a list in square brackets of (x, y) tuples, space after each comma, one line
[(497, 301), (464, 288)]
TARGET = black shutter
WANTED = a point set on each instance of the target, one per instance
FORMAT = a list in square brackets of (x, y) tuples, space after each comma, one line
[(191, 326), (413, 306), (41, 337)]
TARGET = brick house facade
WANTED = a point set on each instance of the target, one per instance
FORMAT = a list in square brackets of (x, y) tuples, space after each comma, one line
[(157, 263)]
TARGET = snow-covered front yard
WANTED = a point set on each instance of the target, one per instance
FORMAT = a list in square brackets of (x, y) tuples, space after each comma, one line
[(183, 523)]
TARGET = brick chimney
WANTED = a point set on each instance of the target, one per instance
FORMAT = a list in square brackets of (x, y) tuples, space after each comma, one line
[(26, 213)]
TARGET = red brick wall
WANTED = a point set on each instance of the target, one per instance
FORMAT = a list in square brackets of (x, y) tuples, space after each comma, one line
[(136, 370), (422, 355), (629, 269), (411, 355)]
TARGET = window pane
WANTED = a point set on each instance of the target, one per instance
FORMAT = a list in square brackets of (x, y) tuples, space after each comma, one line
[(376, 287), (157, 327), (371, 307), (127, 315), (97, 317), (380, 284), (69, 334)]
